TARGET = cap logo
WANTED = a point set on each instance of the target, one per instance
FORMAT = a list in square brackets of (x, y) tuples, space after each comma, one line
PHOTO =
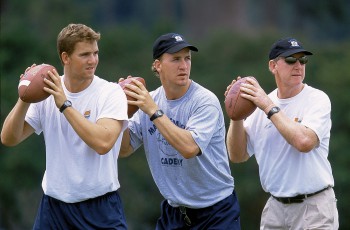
[(294, 43), (178, 38)]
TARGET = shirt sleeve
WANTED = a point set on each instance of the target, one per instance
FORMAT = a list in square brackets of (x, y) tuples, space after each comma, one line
[(33, 118), (318, 115), (113, 104), (135, 129), (203, 124)]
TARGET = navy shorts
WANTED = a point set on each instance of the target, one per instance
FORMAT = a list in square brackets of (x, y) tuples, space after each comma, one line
[(223, 215), (103, 212)]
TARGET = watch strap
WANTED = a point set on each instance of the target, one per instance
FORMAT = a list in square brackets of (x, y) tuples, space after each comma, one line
[(65, 105), (157, 114), (272, 111)]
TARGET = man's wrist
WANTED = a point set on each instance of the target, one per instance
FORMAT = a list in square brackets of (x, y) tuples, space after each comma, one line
[(273, 111), (268, 108), (65, 105), (158, 113)]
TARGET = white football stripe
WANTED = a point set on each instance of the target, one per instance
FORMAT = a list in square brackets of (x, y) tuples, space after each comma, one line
[(24, 82)]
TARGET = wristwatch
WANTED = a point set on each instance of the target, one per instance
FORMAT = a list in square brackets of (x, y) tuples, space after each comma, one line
[(273, 110), (65, 105), (157, 114)]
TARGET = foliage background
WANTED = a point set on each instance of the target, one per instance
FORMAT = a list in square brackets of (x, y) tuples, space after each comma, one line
[(234, 38)]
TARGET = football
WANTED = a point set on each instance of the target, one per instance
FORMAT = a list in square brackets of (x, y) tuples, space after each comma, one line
[(237, 107), (31, 85), (131, 108)]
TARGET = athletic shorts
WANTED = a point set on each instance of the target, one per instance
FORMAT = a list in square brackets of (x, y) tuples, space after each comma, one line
[(223, 215), (103, 212)]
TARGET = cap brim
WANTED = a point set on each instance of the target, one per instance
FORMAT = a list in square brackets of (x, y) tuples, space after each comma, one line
[(180, 46), (294, 51)]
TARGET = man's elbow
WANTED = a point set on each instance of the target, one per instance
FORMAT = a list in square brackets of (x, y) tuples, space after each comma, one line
[(124, 153), (305, 145), (102, 151), (9, 142), (189, 153), (305, 148), (125, 150), (238, 158), (103, 148)]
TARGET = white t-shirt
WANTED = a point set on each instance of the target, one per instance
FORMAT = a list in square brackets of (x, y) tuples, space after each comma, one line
[(74, 171), (284, 171)]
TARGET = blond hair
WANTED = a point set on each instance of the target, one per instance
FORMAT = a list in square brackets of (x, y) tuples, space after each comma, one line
[(72, 34)]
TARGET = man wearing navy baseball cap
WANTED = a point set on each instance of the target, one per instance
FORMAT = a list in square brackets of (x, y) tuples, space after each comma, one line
[(181, 126), (170, 43), (286, 47), (289, 135)]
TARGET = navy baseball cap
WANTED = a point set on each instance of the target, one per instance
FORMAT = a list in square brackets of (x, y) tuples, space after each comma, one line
[(286, 47), (170, 43)]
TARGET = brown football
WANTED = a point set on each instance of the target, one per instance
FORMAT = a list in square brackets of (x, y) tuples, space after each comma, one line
[(31, 85), (237, 107), (131, 108)]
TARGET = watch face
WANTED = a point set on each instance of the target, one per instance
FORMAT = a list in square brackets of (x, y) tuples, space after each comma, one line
[(273, 111), (68, 103)]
